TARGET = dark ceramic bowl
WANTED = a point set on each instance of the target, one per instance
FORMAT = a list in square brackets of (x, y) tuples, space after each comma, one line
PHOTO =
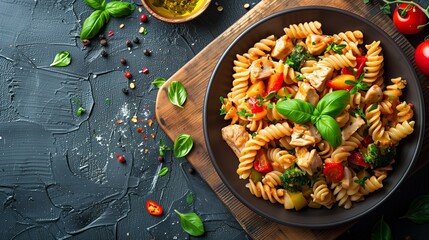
[(223, 158)]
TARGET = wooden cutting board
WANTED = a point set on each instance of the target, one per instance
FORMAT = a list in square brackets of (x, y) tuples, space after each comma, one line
[(174, 120)]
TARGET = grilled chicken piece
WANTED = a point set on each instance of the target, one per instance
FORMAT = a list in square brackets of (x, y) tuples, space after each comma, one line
[(303, 136), (283, 47), (236, 137), (308, 161), (354, 124), (373, 95), (316, 44), (319, 76), (260, 69), (307, 93)]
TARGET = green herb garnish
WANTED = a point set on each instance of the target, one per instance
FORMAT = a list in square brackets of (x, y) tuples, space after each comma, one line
[(182, 145), (62, 59), (191, 223), (358, 85), (158, 82), (163, 171), (177, 93)]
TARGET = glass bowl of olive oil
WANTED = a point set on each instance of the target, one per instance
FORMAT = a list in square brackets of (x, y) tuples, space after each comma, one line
[(175, 11)]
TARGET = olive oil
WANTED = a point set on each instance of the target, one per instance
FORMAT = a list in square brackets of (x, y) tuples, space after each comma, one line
[(176, 8)]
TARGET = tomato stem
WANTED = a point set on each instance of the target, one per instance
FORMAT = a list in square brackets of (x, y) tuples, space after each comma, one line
[(424, 10)]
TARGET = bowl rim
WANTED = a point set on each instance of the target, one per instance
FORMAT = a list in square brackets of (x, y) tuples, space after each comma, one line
[(415, 154), (175, 20)]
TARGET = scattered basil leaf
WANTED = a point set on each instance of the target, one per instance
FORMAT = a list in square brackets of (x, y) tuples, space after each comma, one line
[(158, 82), (62, 59), (108, 101), (93, 24), (418, 211), (177, 93), (190, 198), (120, 9), (96, 4), (333, 103), (329, 130), (162, 147), (163, 171), (296, 110), (381, 231), (191, 223), (182, 145)]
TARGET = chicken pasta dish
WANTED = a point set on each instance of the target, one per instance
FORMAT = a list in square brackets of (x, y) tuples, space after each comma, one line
[(312, 120)]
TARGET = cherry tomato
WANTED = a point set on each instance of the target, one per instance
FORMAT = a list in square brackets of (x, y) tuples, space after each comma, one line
[(357, 70), (255, 105), (153, 208), (407, 18), (262, 164), (275, 82), (422, 57), (356, 158), (143, 17), (334, 171)]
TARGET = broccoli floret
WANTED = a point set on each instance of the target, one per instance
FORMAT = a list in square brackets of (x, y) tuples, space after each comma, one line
[(379, 156), (297, 57), (293, 179)]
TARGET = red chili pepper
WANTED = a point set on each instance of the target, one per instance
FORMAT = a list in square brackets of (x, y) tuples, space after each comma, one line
[(128, 75), (153, 208), (357, 70), (143, 17), (356, 158), (262, 164), (275, 82), (120, 158), (334, 171), (255, 105)]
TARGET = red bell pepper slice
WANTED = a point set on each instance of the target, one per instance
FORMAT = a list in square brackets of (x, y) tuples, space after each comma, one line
[(153, 208), (358, 69), (334, 171), (275, 82), (356, 158), (262, 164), (255, 104)]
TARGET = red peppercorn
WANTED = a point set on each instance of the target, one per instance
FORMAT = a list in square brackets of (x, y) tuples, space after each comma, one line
[(143, 17), (161, 158), (128, 75), (145, 70), (120, 158)]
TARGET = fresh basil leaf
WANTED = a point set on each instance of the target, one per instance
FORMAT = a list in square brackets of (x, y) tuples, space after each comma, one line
[(177, 93), (297, 110), (182, 145), (158, 82), (329, 130), (62, 59), (381, 231), (96, 4), (190, 198), (191, 223), (93, 24), (163, 171), (120, 9), (418, 212), (333, 104)]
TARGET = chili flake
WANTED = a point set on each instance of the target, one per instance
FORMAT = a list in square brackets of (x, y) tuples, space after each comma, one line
[(119, 121), (146, 150), (150, 122), (111, 33), (152, 135), (145, 70), (145, 138), (134, 119), (140, 130)]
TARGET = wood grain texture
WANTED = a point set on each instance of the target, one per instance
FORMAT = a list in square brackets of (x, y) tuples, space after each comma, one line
[(174, 120)]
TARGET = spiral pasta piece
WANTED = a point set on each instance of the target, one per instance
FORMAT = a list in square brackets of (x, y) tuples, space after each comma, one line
[(349, 36), (261, 48), (322, 194), (264, 136), (376, 128), (325, 149), (241, 79), (272, 179), (339, 61), (405, 112), (303, 30), (372, 184), (266, 192), (281, 159), (400, 131), (341, 153), (273, 114), (230, 111), (374, 62)]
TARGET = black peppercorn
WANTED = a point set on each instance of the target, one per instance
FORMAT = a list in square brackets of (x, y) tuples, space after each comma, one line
[(147, 52), (103, 53), (191, 170), (123, 61), (103, 42), (101, 36), (136, 40), (128, 43), (125, 91)]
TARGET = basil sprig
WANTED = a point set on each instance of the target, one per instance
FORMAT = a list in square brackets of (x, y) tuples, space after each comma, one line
[(381, 231), (329, 107), (101, 15), (182, 145), (177, 93), (62, 59), (191, 223), (418, 212)]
